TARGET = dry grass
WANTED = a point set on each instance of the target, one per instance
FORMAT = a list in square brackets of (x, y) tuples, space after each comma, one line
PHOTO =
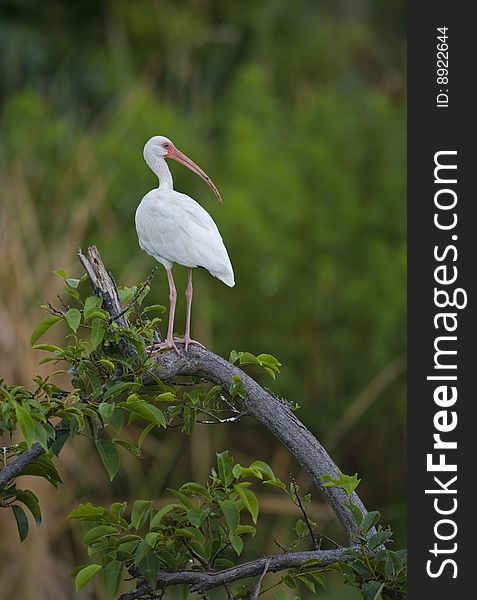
[(39, 569)]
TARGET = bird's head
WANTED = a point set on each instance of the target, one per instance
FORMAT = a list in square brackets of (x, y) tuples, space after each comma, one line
[(160, 147)]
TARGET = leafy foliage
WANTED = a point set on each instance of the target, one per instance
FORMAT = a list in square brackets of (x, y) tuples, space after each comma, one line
[(203, 522), (207, 524), (375, 571)]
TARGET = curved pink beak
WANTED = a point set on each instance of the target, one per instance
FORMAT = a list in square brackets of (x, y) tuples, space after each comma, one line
[(181, 158)]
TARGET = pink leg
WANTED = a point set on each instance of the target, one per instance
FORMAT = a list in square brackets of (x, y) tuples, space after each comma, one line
[(188, 295), (189, 290), (169, 341), (172, 306)]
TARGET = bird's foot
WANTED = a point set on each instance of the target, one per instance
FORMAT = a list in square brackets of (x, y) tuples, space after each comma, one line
[(187, 341), (168, 344)]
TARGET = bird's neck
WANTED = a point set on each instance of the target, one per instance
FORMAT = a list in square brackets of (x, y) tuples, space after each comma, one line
[(163, 173)]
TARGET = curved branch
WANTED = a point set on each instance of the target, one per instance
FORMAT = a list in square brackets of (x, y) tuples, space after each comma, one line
[(274, 414), (260, 404), (200, 581), (15, 468)]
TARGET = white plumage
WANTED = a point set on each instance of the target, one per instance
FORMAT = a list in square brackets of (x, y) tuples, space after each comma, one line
[(174, 228)]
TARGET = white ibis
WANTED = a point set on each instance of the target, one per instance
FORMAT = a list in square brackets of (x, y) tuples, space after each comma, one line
[(174, 228)]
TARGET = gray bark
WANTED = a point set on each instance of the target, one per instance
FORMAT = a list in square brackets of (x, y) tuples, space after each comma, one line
[(200, 581), (274, 414)]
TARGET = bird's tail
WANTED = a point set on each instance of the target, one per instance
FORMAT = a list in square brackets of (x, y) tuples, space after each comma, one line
[(226, 277)]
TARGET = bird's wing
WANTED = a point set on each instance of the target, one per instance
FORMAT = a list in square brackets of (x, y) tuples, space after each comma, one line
[(174, 227)]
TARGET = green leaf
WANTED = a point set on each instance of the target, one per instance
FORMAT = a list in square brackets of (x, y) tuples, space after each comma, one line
[(106, 409), (73, 282), (134, 450), (191, 533), (213, 394), (72, 292), (126, 294), (182, 497), (116, 510), (73, 318), (249, 359), (231, 514), (238, 472), (43, 327), (157, 518), (90, 305), (58, 444), (109, 455), (119, 387), (22, 521), (289, 581), (269, 359), (149, 568), (87, 512), (321, 579), (145, 432), (237, 544), (47, 348), (356, 512), (372, 590), (98, 329), (98, 532), (152, 538), (301, 528), (263, 468), (270, 364), (197, 516), (237, 388), (112, 573), (27, 425), (43, 467), (234, 356), (166, 397), (275, 483), (117, 419), (307, 583), (41, 434), (140, 512), (347, 482), (158, 307), (197, 489), (381, 537), (396, 559), (246, 529), (250, 501), (225, 463), (141, 551), (29, 499), (85, 575), (369, 521), (147, 411)]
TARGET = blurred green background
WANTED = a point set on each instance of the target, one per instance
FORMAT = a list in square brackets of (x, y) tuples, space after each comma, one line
[(296, 110)]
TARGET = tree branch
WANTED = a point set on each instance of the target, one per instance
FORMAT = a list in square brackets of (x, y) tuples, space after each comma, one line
[(275, 415), (13, 469), (200, 581), (258, 584)]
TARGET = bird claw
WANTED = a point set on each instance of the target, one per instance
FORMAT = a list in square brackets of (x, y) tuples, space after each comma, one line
[(187, 341), (166, 345)]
